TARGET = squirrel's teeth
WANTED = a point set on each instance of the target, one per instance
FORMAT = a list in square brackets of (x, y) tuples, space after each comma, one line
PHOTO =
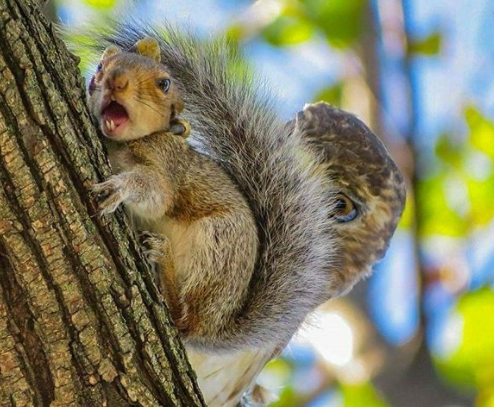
[(110, 125)]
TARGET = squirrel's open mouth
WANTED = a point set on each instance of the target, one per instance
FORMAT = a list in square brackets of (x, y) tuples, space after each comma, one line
[(113, 116)]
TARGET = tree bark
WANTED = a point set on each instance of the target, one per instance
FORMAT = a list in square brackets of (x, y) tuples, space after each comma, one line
[(81, 320)]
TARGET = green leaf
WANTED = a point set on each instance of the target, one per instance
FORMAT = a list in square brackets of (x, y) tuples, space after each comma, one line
[(471, 363), (331, 94), (235, 33), (437, 217), (486, 398), (481, 194), (481, 131), (286, 30), (430, 45), (101, 4), (406, 220), (361, 395), (342, 21), (449, 151)]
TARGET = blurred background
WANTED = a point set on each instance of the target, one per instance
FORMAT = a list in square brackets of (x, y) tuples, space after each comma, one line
[(420, 331)]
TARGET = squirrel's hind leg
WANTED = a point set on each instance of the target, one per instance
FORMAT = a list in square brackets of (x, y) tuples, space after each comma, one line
[(158, 251)]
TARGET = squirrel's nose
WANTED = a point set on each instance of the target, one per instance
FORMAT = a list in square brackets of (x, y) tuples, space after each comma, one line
[(117, 80)]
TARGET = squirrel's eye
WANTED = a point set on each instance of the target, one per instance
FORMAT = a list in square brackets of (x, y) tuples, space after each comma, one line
[(345, 210), (164, 84), (99, 67)]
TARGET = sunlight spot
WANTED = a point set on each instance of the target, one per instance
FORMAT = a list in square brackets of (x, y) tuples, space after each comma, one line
[(479, 165), (451, 337), (332, 337), (267, 10), (355, 372)]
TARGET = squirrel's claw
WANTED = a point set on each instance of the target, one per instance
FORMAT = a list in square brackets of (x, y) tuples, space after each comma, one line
[(156, 246), (109, 195)]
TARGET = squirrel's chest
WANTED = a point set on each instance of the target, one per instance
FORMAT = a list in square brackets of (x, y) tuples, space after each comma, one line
[(121, 158)]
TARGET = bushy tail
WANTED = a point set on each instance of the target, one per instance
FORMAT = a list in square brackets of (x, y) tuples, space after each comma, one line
[(234, 122)]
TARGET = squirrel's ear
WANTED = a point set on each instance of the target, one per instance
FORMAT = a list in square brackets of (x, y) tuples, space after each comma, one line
[(179, 127), (110, 51), (149, 47)]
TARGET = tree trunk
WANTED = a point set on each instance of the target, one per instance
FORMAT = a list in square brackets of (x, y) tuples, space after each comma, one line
[(81, 320)]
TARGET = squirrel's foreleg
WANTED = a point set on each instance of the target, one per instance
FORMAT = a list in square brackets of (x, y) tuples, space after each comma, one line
[(141, 193)]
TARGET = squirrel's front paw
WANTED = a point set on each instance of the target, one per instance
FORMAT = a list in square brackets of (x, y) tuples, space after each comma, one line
[(109, 194)]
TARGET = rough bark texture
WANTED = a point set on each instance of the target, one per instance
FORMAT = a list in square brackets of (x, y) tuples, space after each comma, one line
[(81, 321)]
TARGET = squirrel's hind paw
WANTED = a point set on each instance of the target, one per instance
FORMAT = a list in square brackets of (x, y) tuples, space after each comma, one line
[(156, 246)]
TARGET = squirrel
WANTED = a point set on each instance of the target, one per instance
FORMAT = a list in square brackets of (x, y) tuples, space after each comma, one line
[(171, 190), (224, 295), (292, 218), (310, 202)]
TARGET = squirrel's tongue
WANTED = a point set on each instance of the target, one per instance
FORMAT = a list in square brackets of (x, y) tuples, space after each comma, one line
[(115, 112)]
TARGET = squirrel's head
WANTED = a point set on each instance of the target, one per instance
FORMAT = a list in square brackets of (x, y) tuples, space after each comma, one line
[(132, 94), (367, 189)]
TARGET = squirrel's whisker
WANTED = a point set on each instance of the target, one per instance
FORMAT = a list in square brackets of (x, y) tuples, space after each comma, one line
[(140, 100)]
